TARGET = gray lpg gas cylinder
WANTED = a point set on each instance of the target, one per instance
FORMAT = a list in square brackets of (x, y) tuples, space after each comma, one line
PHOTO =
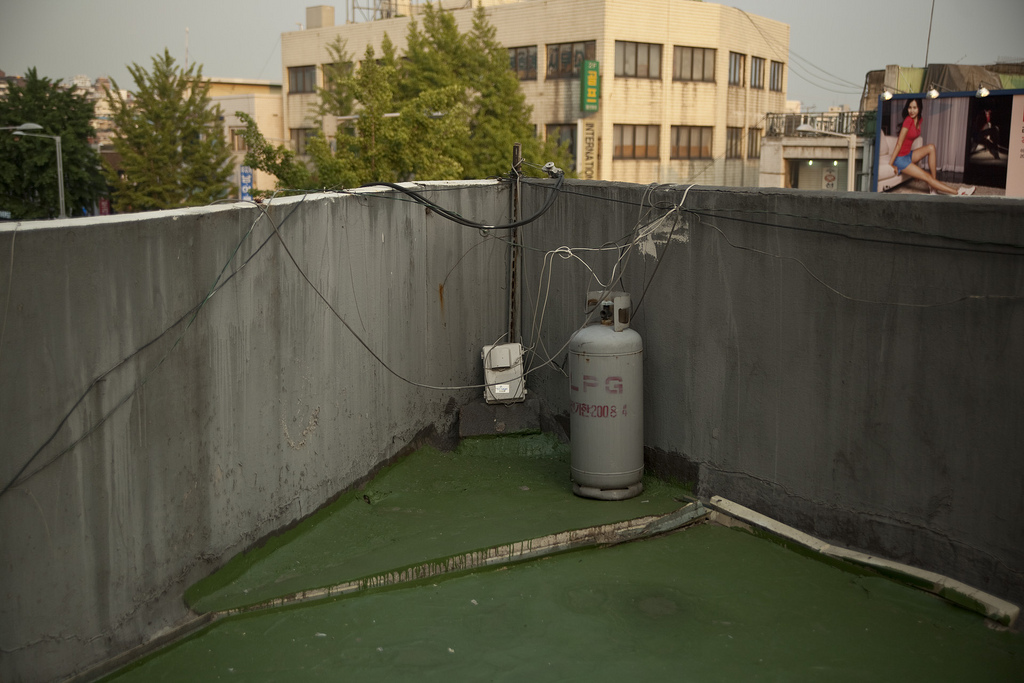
[(606, 404)]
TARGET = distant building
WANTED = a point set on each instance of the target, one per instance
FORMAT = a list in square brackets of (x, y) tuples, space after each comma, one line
[(258, 98), (683, 93), (82, 82), (6, 81), (819, 156), (102, 122), (262, 101), (895, 79), (224, 87)]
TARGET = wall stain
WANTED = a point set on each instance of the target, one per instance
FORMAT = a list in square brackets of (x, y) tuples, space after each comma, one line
[(311, 426)]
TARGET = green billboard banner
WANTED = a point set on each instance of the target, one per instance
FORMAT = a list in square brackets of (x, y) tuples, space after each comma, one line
[(590, 85)]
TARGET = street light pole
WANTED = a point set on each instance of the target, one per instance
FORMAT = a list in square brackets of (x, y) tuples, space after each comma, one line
[(23, 130), (851, 140), (60, 176)]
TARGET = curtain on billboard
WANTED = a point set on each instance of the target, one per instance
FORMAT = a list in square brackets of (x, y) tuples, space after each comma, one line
[(945, 122)]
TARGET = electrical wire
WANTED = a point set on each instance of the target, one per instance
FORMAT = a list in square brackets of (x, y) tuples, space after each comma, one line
[(875, 240), (644, 228), (810, 79), (837, 80), (190, 315), (699, 214), (668, 242), (419, 199), (638, 233), (359, 339), (456, 218), (674, 213), (214, 288), (816, 278), (838, 223)]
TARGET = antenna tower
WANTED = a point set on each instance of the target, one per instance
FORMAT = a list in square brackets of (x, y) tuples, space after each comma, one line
[(372, 10)]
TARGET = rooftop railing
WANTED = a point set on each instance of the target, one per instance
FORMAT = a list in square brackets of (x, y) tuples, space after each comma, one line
[(844, 122)]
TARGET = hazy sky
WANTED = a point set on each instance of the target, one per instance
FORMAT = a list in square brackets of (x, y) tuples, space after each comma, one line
[(832, 44)]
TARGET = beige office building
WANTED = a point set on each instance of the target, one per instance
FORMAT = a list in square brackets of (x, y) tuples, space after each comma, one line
[(262, 101), (682, 92)]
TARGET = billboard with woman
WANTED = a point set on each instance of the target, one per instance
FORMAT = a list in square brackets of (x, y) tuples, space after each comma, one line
[(956, 143)]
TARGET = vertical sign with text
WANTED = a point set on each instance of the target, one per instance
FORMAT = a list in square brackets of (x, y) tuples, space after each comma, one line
[(590, 85), (586, 149), (828, 179), (245, 183)]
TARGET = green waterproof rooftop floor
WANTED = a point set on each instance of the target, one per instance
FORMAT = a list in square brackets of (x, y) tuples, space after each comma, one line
[(706, 603), (428, 506)]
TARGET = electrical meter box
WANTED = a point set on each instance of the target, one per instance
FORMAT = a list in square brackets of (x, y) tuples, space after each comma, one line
[(503, 373)]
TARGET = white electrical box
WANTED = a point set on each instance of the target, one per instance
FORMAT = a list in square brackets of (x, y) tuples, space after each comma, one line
[(503, 373)]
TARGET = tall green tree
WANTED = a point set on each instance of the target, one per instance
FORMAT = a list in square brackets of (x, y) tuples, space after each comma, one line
[(449, 108), (336, 99), (377, 135), (438, 56), (172, 148), (500, 114), (278, 160), (28, 165), (390, 140)]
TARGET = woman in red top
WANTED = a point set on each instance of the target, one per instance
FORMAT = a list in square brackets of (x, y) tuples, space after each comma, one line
[(904, 159)]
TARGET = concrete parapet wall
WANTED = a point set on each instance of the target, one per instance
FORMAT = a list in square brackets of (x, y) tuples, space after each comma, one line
[(847, 364), (188, 440)]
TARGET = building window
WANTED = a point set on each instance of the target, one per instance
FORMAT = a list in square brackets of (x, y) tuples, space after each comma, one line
[(564, 134), (301, 79), (635, 142), (691, 142), (637, 60), (335, 73), (300, 138), (754, 143), (733, 143), (737, 65), (566, 59), (379, 61), (693, 64), (237, 141), (776, 77), (523, 61), (757, 73)]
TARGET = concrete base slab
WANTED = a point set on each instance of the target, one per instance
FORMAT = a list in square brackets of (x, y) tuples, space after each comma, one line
[(483, 419), (608, 494)]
